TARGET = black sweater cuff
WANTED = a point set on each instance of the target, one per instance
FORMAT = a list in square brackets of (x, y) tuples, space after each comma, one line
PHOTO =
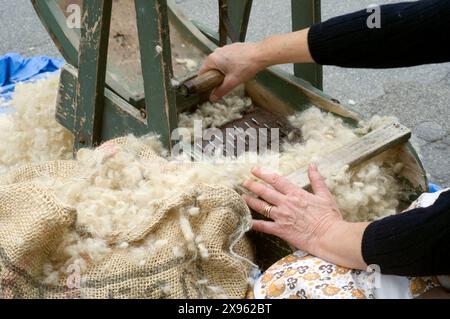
[(415, 243)]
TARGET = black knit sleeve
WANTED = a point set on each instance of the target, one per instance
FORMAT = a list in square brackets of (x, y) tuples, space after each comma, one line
[(410, 33), (415, 243)]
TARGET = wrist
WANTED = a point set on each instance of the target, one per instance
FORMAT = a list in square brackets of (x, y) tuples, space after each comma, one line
[(341, 245), (322, 244), (263, 56)]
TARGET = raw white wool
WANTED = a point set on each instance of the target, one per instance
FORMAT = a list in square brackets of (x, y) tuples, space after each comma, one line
[(123, 246), (228, 109), (398, 168), (188, 234), (119, 189), (201, 247), (175, 83), (367, 192), (31, 133), (194, 211), (166, 289), (203, 251), (179, 252), (189, 64), (214, 292)]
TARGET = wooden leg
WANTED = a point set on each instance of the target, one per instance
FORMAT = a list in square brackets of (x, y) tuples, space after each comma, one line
[(92, 59), (154, 41), (304, 14)]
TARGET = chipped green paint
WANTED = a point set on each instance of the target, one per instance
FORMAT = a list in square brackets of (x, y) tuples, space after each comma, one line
[(92, 59), (66, 39), (155, 47), (239, 14), (119, 117)]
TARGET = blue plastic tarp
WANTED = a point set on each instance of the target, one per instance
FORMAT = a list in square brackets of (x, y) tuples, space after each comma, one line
[(15, 69), (434, 188)]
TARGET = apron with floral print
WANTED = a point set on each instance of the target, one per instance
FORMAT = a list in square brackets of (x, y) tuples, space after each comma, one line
[(302, 276)]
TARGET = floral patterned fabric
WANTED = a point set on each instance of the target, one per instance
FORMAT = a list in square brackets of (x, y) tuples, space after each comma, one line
[(302, 276)]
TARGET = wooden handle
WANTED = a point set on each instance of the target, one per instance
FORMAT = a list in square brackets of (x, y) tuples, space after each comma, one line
[(203, 83)]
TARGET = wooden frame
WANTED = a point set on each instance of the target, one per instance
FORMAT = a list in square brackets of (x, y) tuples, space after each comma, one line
[(93, 53), (273, 89), (155, 47), (304, 14)]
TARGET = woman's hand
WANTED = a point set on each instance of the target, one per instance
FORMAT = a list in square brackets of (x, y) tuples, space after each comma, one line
[(310, 222), (299, 217), (239, 63)]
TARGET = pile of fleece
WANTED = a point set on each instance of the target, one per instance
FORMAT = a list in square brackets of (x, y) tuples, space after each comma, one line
[(119, 188), (31, 134)]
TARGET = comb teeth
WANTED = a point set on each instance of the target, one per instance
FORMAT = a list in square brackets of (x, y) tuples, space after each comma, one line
[(256, 119)]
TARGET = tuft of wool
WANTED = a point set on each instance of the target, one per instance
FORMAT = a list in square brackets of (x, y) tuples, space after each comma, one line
[(188, 234), (189, 64), (175, 83), (228, 109), (179, 252), (31, 134), (193, 211)]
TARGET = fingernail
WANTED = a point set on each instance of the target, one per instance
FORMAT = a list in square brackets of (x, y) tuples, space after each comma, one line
[(214, 98), (266, 171), (255, 169)]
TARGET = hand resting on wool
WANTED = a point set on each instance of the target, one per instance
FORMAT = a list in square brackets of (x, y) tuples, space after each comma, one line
[(308, 221)]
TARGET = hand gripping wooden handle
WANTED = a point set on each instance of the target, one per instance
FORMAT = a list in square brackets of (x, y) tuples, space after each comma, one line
[(202, 83)]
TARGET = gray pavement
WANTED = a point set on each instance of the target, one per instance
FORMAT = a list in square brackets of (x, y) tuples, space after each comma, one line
[(418, 96)]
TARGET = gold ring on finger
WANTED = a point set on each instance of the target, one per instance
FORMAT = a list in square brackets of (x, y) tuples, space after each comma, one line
[(267, 210)]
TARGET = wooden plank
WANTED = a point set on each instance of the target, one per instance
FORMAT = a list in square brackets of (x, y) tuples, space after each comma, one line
[(294, 94), (357, 152), (304, 14), (119, 117), (239, 13), (154, 41), (234, 16), (55, 22), (93, 51), (67, 40)]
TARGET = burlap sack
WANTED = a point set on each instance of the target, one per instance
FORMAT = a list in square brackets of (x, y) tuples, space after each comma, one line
[(32, 221)]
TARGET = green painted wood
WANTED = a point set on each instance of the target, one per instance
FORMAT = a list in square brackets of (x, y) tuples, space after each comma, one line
[(239, 13), (155, 47), (66, 39), (304, 14), (301, 94), (93, 52), (234, 16), (119, 117)]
